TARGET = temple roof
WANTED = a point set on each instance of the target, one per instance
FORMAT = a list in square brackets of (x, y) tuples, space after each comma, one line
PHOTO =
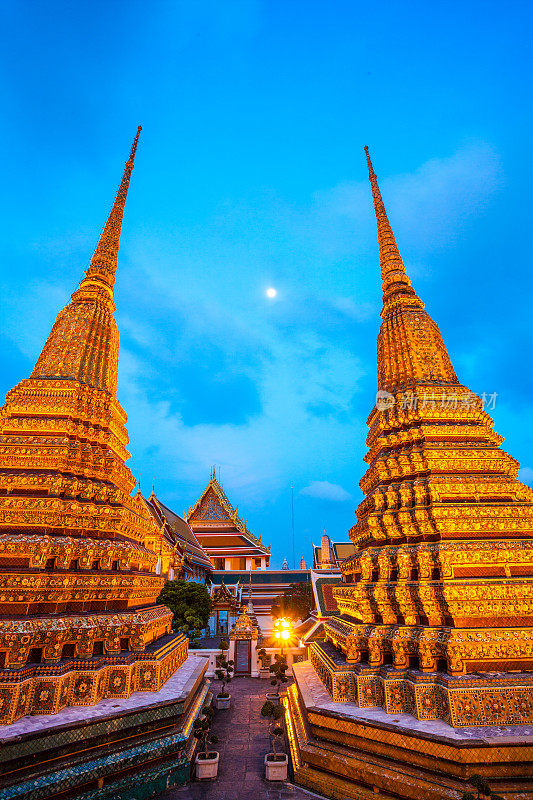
[(323, 586), (181, 530), (214, 514), (221, 594), (341, 551)]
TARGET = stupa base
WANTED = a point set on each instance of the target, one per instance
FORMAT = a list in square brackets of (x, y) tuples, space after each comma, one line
[(119, 749), (49, 688), (341, 750), (477, 698)]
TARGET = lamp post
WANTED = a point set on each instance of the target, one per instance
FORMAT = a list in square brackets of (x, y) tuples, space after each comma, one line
[(282, 632)]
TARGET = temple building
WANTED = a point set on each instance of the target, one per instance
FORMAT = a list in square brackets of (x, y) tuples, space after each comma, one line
[(191, 561), (79, 558), (265, 587), (424, 674), (222, 534), (329, 555), (240, 562)]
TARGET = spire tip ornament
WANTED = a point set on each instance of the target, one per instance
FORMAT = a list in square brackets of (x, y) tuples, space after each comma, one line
[(103, 264), (406, 329), (83, 344)]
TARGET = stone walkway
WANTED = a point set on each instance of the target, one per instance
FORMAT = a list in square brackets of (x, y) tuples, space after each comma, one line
[(243, 743)]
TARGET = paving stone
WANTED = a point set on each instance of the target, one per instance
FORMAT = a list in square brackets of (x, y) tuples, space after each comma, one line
[(243, 742)]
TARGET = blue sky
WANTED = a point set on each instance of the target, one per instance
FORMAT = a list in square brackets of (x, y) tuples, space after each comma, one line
[(250, 173)]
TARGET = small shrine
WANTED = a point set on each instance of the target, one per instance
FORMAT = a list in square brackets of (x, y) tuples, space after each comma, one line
[(242, 634), (225, 609)]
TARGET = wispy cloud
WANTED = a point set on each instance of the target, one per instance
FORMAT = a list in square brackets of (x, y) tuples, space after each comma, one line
[(429, 207), (324, 490), (210, 372), (300, 353)]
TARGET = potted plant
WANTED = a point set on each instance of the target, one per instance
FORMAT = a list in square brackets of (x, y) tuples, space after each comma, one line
[(223, 673), (264, 659), (278, 677), (206, 761), (275, 763)]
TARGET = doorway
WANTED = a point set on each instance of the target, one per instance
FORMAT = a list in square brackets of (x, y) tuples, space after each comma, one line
[(243, 653)]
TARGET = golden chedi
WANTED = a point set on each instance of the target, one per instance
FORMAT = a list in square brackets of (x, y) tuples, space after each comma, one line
[(78, 620), (441, 586)]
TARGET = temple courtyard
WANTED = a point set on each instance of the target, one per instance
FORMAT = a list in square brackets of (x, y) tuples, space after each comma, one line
[(242, 744)]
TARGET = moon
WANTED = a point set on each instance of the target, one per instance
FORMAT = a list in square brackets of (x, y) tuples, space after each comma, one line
[(271, 292)]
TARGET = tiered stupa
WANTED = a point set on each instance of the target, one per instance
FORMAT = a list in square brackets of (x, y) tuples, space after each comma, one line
[(78, 554), (432, 636), (443, 578)]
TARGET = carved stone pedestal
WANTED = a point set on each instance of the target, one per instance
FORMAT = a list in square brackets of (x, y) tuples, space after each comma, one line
[(339, 748), (120, 749)]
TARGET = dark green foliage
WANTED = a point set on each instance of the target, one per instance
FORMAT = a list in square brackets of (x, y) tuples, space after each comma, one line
[(201, 727), (224, 668), (191, 605), (482, 790), (264, 658), (273, 712), (295, 602), (478, 783), (278, 670)]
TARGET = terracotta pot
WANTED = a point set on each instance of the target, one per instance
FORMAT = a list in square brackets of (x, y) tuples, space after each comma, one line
[(276, 770), (273, 697), (207, 768), (222, 702), (264, 673)]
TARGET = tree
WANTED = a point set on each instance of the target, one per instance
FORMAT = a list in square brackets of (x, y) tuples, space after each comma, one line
[(295, 602), (224, 668), (278, 670), (201, 727), (191, 605), (274, 713)]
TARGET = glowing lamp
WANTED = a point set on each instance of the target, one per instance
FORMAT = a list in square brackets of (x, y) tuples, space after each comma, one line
[(285, 634)]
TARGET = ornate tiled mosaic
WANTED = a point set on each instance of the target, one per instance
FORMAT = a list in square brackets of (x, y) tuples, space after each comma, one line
[(92, 752), (47, 693), (463, 701)]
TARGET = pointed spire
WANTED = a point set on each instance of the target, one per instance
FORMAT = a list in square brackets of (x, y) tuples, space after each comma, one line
[(393, 273), (104, 261), (410, 346), (83, 344)]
